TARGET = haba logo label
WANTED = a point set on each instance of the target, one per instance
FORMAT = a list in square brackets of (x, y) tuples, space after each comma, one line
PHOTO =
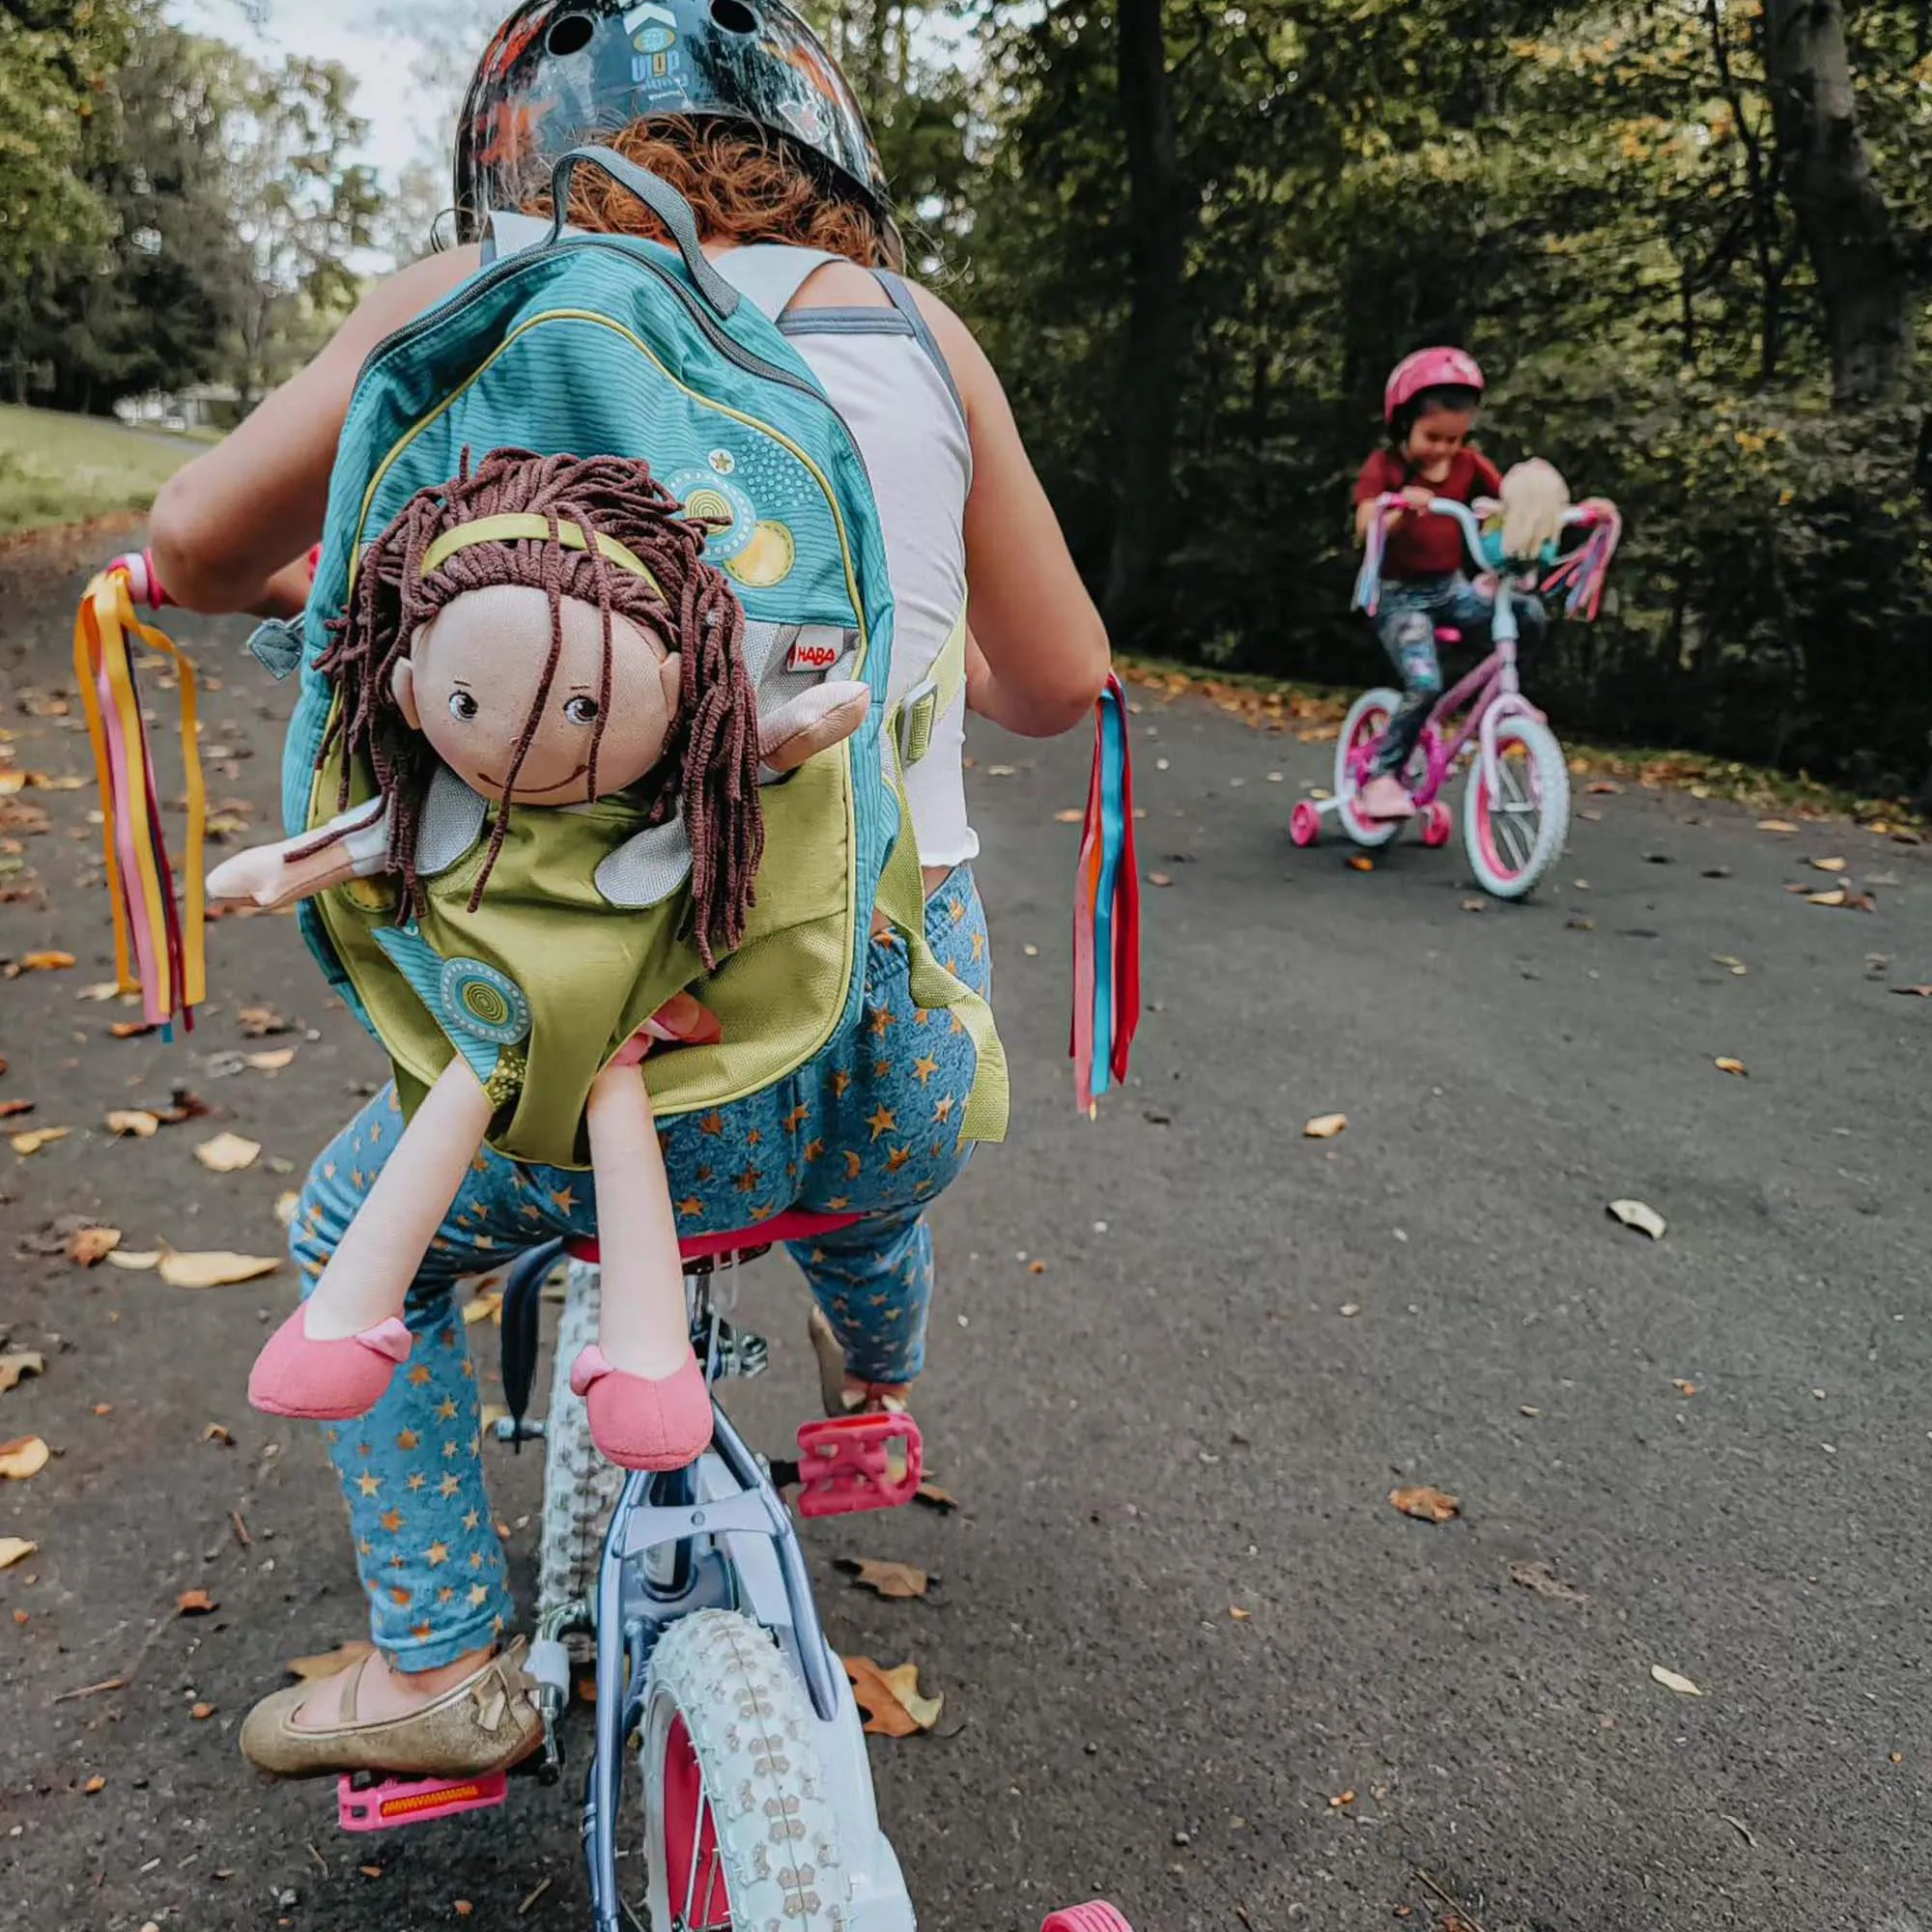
[(813, 653)]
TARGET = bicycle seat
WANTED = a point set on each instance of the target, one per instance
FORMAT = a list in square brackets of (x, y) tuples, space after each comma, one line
[(795, 1224)]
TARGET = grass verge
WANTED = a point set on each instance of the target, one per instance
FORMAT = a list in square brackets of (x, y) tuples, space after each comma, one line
[(57, 469)]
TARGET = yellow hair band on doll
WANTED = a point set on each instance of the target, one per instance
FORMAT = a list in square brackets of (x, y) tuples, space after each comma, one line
[(514, 526)]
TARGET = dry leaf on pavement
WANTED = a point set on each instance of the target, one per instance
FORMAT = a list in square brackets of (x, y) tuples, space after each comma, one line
[(1671, 1681), (133, 1260), (18, 1362), (1829, 865), (328, 1662), (934, 1497), (1159, 879), (10, 1108), (1641, 1216), (38, 1138), (1724, 1063), (136, 1122), (1735, 967), (286, 1204), (1775, 825), (194, 1603), (486, 1307), (1072, 816), (90, 1245), (12, 1548), (895, 1581), (42, 962), (227, 1153), (1324, 1127), (271, 1061), (1360, 862), (217, 1269), (1683, 1388), (24, 1457), (131, 1028), (1545, 1581), (1426, 1504), (260, 1022), (1836, 896), (891, 1699), (1915, 992)]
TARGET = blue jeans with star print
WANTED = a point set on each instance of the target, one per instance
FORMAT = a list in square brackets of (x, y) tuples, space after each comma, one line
[(871, 1128)]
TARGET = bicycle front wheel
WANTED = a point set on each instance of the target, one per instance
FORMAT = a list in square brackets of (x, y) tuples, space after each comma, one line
[(739, 1828), (1515, 834), (1367, 720)]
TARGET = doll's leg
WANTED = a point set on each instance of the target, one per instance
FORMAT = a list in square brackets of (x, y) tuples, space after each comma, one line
[(649, 1407), (333, 1357)]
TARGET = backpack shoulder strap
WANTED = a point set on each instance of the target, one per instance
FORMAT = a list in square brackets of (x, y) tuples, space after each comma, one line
[(902, 299)]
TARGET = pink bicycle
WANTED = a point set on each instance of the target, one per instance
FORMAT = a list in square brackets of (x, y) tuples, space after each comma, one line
[(1516, 807)]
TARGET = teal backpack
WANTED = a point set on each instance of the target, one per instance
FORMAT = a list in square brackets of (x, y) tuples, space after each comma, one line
[(602, 344)]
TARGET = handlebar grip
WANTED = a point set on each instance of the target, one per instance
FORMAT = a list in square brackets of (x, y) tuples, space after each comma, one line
[(144, 583)]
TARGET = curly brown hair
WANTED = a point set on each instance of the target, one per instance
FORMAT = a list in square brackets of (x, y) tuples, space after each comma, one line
[(744, 182), (710, 766)]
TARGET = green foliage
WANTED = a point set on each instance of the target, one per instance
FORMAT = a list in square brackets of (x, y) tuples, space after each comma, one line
[(57, 468)]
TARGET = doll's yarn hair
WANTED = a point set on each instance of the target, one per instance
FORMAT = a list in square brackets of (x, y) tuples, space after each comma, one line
[(710, 764)]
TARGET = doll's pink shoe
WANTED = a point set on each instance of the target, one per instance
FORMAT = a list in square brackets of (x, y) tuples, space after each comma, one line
[(644, 1422), (326, 1382), (1382, 797)]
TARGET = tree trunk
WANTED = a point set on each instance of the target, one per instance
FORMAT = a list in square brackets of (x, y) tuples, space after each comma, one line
[(1149, 403), (1827, 175)]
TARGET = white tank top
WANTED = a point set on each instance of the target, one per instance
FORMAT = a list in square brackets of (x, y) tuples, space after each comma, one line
[(887, 377)]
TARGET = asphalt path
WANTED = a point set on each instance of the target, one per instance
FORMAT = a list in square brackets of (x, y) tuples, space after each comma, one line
[(1192, 1658)]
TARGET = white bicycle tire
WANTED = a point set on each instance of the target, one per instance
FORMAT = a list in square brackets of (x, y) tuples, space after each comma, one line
[(581, 1487), (1550, 773), (1371, 833), (752, 1733)]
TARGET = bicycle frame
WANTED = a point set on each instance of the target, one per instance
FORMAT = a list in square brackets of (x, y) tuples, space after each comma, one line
[(716, 1535)]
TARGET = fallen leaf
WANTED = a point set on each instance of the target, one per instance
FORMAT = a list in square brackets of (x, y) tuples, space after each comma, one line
[(45, 962), (101, 989), (10, 1108), (1324, 1127), (1775, 825), (194, 1603), (1345, 1798), (1360, 862), (12, 1548), (134, 1262), (891, 1699), (24, 1457), (136, 1122), (1035, 1267), (1159, 879), (1724, 1063), (33, 1142), (1829, 865), (18, 1362), (1603, 786), (1671, 1681), (1475, 905), (1836, 896), (485, 1308), (216, 1268), (261, 1022), (328, 1662), (181, 1106), (1645, 1219), (227, 1153), (999, 771), (271, 1061), (1915, 992), (1545, 1581), (201, 1712), (286, 1204), (1736, 967), (895, 1581), (1239, 1615), (934, 1497), (94, 1784), (1072, 816), (92, 1244), (130, 1029), (1683, 1388), (218, 1432), (1426, 1504)]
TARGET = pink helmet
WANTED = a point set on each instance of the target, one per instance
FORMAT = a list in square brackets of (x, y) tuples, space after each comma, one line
[(1430, 369)]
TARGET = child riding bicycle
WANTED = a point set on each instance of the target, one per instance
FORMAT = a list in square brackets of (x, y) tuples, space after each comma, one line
[(1430, 405), (962, 512)]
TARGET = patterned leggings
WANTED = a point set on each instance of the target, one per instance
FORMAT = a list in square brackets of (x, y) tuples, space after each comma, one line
[(875, 1131)]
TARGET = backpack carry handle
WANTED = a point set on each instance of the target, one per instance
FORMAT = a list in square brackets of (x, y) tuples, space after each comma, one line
[(663, 200)]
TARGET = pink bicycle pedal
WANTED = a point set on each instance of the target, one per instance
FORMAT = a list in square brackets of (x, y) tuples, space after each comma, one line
[(1099, 1917), (848, 1463), (392, 1802)]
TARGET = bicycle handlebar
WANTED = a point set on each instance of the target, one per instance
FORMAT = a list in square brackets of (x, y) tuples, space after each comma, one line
[(1578, 516)]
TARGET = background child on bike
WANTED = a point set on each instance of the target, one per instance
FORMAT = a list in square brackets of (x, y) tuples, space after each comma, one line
[(1430, 405), (762, 137)]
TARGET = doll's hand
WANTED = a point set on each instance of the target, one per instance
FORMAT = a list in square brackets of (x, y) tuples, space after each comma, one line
[(811, 723), (259, 874)]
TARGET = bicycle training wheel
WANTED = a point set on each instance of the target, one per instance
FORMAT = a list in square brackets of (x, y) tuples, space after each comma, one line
[(1513, 838), (1367, 720), (739, 1832)]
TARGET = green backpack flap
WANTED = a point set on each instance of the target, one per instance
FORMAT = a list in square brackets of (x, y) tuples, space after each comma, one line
[(595, 344)]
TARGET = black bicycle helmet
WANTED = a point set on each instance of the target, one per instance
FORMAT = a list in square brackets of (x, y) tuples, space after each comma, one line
[(558, 72)]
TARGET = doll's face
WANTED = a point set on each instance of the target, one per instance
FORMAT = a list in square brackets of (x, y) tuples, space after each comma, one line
[(472, 677)]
